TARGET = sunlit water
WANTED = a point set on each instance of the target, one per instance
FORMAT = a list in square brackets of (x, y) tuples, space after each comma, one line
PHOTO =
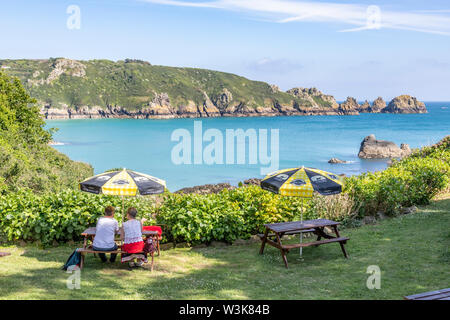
[(146, 146)]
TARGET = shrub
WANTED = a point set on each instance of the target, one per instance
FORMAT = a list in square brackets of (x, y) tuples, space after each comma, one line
[(414, 180), (58, 216), (340, 207), (226, 216)]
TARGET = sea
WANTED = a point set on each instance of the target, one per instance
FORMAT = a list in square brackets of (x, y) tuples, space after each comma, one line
[(181, 152)]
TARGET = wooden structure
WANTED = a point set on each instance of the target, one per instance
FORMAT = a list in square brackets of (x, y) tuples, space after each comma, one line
[(443, 294), (89, 235), (275, 231)]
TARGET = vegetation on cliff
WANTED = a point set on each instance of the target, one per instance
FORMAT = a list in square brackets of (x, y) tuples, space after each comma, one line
[(67, 88), (26, 160), (135, 84)]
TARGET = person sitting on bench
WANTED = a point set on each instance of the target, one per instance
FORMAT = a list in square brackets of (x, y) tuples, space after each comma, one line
[(133, 245), (105, 232)]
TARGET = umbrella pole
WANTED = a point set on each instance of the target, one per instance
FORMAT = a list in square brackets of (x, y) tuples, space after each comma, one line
[(123, 213), (301, 234)]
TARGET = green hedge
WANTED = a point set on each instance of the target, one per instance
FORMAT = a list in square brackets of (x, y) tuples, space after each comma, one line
[(226, 216), (58, 216), (414, 180)]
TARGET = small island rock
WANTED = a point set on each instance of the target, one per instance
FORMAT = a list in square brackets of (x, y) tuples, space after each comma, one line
[(336, 160), (371, 148)]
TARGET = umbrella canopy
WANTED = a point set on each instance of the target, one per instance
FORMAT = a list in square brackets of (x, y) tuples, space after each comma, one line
[(302, 182), (123, 183)]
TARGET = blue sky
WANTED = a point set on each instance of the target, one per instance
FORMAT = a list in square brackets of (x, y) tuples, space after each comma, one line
[(286, 42)]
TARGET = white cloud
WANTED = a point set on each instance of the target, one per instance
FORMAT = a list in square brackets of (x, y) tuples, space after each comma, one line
[(357, 15)]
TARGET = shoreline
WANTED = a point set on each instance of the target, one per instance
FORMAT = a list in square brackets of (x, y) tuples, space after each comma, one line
[(174, 117)]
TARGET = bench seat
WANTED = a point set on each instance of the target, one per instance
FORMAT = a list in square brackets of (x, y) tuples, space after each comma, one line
[(314, 243), (83, 251), (261, 235), (95, 251)]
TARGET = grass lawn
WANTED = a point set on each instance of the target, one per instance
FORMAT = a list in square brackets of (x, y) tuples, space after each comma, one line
[(412, 252)]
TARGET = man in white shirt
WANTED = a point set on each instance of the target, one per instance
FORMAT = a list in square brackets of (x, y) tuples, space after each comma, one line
[(105, 232)]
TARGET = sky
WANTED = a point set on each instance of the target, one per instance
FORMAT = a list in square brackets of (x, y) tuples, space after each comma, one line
[(362, 49)]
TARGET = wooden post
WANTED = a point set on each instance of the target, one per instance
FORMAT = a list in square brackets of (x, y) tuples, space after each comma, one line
[(340, 243), (263, 241)]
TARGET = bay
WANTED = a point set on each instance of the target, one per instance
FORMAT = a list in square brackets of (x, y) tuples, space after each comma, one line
[(146, 145)]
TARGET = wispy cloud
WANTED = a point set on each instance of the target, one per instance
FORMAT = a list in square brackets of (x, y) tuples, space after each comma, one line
[(359, 16), (270, 65)]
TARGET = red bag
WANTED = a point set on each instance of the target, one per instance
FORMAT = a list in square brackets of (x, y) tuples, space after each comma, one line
[(154, 228)]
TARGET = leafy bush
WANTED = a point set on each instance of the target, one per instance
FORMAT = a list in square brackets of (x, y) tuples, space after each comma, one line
[(340, 207), (414, 180), (59, 216), (226, 216)]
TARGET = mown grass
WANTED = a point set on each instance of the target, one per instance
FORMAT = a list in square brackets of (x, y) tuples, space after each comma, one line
[(412, 252)]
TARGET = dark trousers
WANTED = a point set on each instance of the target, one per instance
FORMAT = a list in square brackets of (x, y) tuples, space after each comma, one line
[(103, 256)]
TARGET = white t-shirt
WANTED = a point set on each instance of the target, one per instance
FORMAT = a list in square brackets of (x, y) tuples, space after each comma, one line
[(133, 231), (105, 232)]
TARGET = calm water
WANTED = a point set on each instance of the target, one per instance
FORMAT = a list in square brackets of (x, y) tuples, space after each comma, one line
[(146, 146)]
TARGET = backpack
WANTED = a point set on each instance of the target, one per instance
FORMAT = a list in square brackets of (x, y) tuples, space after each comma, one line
[(74, 260)]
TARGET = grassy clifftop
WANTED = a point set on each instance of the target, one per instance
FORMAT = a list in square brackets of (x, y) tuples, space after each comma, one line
[(134, 85), (131, 83)]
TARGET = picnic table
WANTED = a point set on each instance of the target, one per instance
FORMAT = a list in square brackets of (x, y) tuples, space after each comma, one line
[(443, 294), (89, 235), (275, 231)]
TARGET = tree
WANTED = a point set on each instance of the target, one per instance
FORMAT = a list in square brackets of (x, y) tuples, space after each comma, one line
[(19, 113)]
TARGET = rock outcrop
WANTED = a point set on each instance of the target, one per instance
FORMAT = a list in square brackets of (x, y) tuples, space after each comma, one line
[(371, 148), (336, 160), (312, 95), (206, 189), (377, 106), (350, 106), (405, 104)]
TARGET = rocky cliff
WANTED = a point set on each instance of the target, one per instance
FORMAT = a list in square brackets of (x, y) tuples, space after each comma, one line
[(71, 89)]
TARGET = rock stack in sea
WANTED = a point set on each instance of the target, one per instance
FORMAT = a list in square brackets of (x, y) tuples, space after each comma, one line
[(371, 148), (405, 104)]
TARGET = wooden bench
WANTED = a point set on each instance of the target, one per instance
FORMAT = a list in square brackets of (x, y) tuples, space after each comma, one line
[(4, 254), (275, 231), (443, 294), (89, 235), (84, 251), (289, 233)]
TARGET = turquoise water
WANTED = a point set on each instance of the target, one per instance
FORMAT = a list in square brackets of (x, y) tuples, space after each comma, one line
[(146, 146)]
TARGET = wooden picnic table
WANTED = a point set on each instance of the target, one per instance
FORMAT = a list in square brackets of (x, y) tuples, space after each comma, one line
[(443, 294), (89, 235), (275, 231)]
